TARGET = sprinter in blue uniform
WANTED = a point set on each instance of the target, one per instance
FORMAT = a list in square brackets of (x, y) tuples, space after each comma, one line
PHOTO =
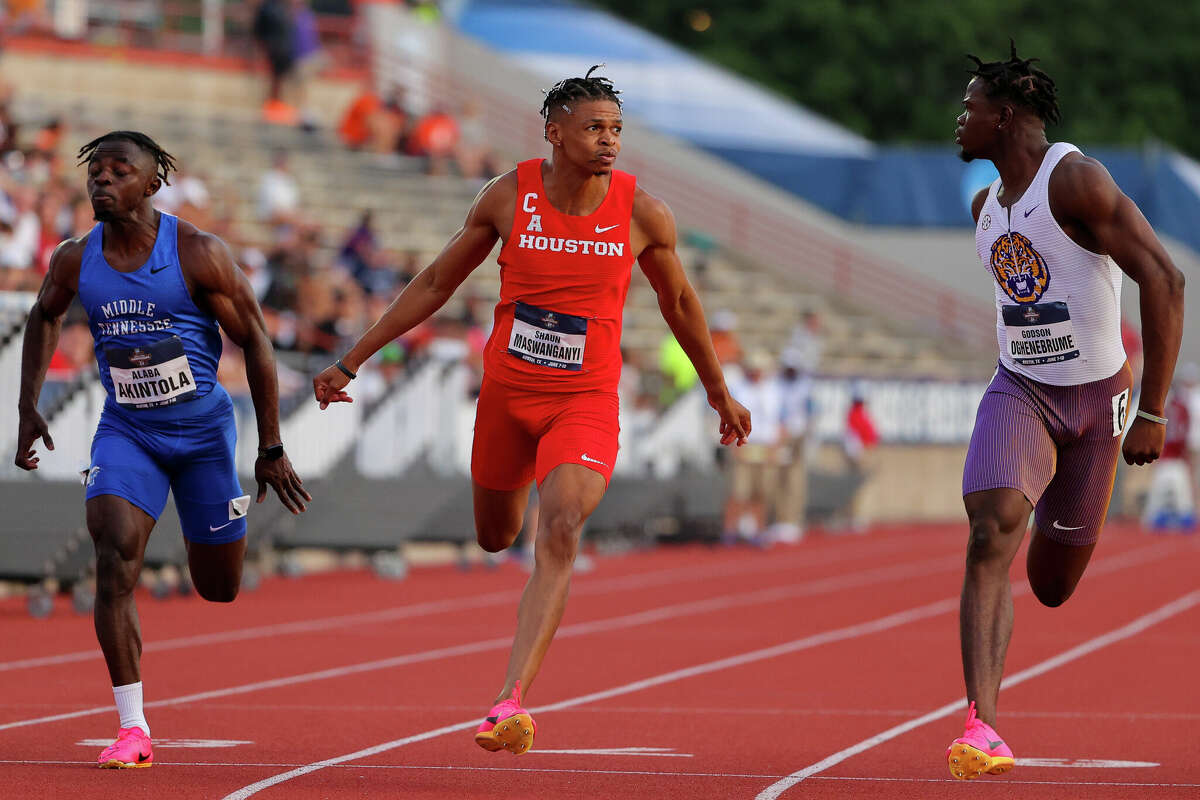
[(157, 292)]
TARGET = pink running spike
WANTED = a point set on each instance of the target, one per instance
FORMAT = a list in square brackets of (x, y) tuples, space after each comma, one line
[(979, 750), (131, 750), (508, 726)]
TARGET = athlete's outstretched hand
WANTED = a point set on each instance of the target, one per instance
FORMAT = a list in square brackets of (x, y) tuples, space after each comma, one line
[(735, 419), (31, 428), (330, 387), (278, 473), (1144, 441)]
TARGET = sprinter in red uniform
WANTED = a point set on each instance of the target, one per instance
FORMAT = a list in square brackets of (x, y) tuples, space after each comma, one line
[(572, 227)]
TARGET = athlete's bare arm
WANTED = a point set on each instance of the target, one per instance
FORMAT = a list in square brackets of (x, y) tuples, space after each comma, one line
[(1097, 215), (490, 217), (219, 287), (654, 241), (41, 337), (978, 201)]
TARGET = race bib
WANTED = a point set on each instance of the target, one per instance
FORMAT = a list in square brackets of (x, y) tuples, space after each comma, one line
[(1040, 333), (548, 338), (151, 376)]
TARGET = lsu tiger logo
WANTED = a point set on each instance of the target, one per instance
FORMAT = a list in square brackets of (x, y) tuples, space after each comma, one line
[(1019, 269)]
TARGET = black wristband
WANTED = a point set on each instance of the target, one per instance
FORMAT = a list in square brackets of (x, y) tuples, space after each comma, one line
[(272, 453), (345, 370)]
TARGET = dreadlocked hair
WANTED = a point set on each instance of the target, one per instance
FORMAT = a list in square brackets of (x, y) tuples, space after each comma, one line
[(1019, 81), (567, 92), (162, 159)]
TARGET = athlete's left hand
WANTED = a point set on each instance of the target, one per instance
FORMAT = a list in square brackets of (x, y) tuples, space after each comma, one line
[(735, 419), (330, 387), (283, 479), (1144, 441)]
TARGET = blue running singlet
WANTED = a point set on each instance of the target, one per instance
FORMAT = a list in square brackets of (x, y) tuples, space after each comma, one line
[(167, 424)]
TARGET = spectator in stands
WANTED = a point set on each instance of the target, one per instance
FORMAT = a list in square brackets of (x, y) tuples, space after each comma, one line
[(806, 344), (1170, 502), (753, 474), (356, 129), (308, 56), (796, 401), (185, 196), (359, 253), (679, 374), (279, 193), (435, 138), (20, 230), (475, 157), (858, 443), (1189, 379), (274, 31), (725, 338)]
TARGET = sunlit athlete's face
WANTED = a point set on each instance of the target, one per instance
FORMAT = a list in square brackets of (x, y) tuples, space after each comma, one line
[(977, 128), (589, 136), (120, 177)]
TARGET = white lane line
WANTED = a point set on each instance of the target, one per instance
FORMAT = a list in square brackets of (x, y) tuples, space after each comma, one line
[(719, 603), (651, 752), (596, 586), (1135, 627), (1086, 763), (588, 771), (796, 645)]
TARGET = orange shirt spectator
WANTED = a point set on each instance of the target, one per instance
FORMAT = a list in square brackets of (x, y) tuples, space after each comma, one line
[(355, 128), (435, 135)]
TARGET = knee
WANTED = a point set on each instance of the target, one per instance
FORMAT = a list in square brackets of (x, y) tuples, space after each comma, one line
[(218, 591), (558, 538), (1052, 594), (494, 538), (116, 575), (992, 541)]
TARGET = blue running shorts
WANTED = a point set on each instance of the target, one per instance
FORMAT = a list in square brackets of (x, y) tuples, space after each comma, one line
[(141, 455)]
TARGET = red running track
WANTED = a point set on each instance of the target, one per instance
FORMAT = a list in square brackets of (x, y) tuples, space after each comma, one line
[(829, 669)]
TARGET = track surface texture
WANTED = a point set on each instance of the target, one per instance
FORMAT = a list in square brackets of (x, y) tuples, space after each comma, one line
[(827, 669)]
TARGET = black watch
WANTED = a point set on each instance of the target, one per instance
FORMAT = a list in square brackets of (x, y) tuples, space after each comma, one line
[(272, 453)]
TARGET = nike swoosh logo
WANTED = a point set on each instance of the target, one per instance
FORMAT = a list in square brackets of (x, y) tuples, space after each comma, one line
[(593, 460), (143, 757), (1030, 211), (155, 270), (226, 525), (1065, 528), (993, 745), (609, 228)]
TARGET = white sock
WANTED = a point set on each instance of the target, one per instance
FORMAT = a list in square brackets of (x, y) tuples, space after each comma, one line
[(129, 706)]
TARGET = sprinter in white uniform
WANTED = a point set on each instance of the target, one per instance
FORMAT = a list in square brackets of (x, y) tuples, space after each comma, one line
[(1054, 234)]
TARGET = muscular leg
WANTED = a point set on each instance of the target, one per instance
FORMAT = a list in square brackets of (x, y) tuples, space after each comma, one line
[(498, 516), (119, 530), (569, 494), (216, 569), (1054, 568), (998, 520)]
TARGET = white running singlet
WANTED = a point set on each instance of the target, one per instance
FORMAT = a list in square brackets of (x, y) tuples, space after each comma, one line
[(1058, 305)]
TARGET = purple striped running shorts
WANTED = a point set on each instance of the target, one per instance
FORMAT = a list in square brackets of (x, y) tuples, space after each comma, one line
[(1057, 445)]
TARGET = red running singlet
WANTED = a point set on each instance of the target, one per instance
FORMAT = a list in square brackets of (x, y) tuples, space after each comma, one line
[(563, 281)]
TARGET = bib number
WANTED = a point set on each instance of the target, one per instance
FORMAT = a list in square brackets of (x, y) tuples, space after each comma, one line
[(548, 338), (151, 376), (1120, 405), (1040, 333)]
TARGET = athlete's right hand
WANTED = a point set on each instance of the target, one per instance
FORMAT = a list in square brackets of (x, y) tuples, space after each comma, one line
[(329, 387), (31, 428), (735, 419)]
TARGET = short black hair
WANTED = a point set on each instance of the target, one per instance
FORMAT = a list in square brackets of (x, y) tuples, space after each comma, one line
[(163, 160), (1019, 81), (567, 92)]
